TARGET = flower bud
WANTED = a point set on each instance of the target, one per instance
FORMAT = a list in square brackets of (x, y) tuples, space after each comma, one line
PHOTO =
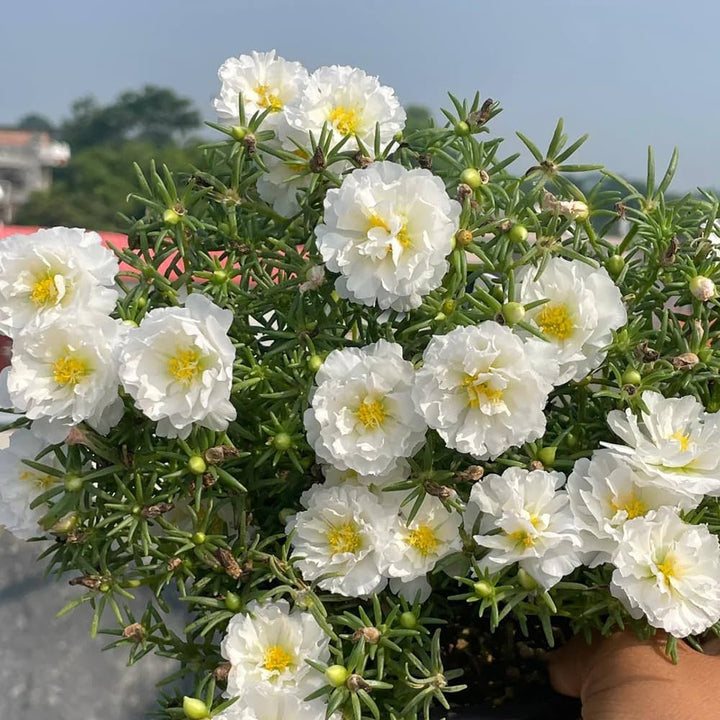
[(615, 265), (73, 483), (196, 465), (336, 675), (285, 514), (232, 601), (463, 237), (702, 288), (239, 132), (471, 177), (513, 312), (170, 217), (195, 709), (547, 455), (448, 307), (314, 363), (198, 538), (408, 620), (527, 581), (517, 233), (462, 129), (282, 441), (631, 377), (483, 589), (219, 277), (66, 524)]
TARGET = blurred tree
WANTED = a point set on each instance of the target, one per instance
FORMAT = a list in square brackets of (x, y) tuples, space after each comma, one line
[(418, 118), (36, 123)]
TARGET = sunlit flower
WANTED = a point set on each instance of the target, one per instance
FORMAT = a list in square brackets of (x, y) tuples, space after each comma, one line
[(64, 372), (361, 416), (337, 539), (351, 103), (484, 389), (669, 571), (266, 705), (526, 519), (54, 272), (396, 474), (415, 547), (388, 231), (676, 442), (605, 492), (20, 484), (267, 649), (265, 81), (584, 307), (178, 365)]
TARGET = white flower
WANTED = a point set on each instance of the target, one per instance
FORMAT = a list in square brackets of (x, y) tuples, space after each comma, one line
[(264, 705), (676, 443), (265, 81), (605, 492), (484, 389), (361, 416), (396, 474), (20, 484), (584, 307), (670, 571), (336, 538), (537, 529), (388, 231), (352, 103), (268, 647), (52, 272), (178, 366), (65, 371), (414, 548), (314, 278)]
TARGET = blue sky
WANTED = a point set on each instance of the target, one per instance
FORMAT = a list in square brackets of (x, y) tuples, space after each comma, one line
[(631, 73)]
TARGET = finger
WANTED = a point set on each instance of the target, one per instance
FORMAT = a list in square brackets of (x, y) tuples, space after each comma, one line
[(568, 665)]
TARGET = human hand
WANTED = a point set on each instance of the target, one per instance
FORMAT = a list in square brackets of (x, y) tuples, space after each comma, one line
[(623, 678)]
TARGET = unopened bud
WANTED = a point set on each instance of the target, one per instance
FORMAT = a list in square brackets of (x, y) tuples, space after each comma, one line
[(472, 177), (170, 217), (513, 312), (239, 132), (371, 635), (463, 237), (527, 581), (702, 288), (336, 675), (134, 632), (66, 524), (196, 465), (547, 455), (195, 709), (356, 682), (483, 589)]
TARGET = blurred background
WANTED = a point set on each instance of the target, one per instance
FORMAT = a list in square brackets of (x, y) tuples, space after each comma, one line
[(88, 87)]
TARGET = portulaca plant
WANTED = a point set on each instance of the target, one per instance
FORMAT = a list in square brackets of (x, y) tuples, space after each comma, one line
[(387, 411)]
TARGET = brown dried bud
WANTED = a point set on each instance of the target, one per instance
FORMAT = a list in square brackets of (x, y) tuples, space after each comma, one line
[(246, 570), (462, 644), (317, 162), (173, 564), (668, 257), (621, 210), (220, 453), (250, 143), (629, 389), (75, 537), (536, 465), (439, 491), (363, 161), (153, 511), (645, 353), (685, 361), (221, 672), (371, 634), (464, 191), (472, 473), (463, 237), (92, 582), (208, 480), (425, 161), (356, 682), (228, 561), (134, 632), (484, 177), (480, 117)]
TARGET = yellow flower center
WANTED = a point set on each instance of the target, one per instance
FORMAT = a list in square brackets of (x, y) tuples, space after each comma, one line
[(277, 658), (479, 393), (185, 365), (40, 481), (344, 538), (555, 320), (633, 506), (668, 568), (682, 438), (375, 221), (266, 99), (371, 414), (69, 370), (44, 291), (299, 167), (345, 119), (523, 537), (423, 539)]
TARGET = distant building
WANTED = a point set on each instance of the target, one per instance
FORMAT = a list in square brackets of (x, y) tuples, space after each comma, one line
[(26, 161)]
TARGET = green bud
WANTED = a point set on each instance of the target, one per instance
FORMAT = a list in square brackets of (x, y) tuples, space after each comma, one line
[(631, 377), (483, 589), (199, 538), (285, 514), (462, 129), (195, 709), (571, 441), (513, 312), (517, 233), (463, 237), (66, 524), (136, 510), (232, 601), (197, 465), (408, 620), (171, 217), (141, 302), (527, 581), (615, 265), (239, 132), (282, 442), (219, 277), (315, 363), (705, 354), (547, 455), (471, 177), (336, 675), (73, 483), (448, 307), (104, 587)]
